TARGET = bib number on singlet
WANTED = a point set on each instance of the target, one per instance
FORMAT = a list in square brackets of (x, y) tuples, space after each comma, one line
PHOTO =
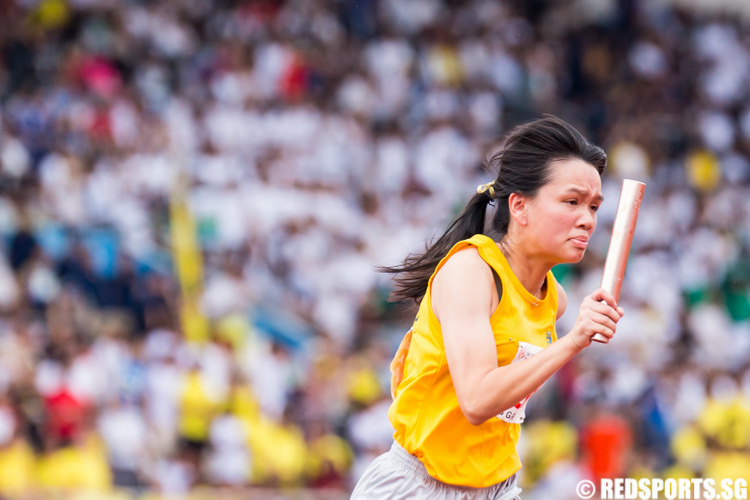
[(517, 414)]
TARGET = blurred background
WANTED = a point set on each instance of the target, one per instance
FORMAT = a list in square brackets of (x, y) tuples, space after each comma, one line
[(195, 194)]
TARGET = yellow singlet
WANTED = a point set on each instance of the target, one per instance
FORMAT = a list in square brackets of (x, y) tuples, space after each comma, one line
[(425, 414)]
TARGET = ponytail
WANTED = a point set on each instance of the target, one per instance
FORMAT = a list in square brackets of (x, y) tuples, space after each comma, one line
[(413, 275)]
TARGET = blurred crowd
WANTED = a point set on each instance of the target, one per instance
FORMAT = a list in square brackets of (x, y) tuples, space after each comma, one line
[(312, 142)]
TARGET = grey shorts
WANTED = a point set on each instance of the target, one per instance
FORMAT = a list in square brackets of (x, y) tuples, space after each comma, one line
[(398, 474)]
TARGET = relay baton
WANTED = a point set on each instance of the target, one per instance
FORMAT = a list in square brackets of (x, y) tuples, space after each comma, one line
[(619, 244)]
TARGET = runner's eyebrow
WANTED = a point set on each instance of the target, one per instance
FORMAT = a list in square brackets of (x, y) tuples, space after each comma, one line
[(583, 192)]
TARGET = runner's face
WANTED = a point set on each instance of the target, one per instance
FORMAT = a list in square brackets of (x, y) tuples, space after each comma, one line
[(562, 216)]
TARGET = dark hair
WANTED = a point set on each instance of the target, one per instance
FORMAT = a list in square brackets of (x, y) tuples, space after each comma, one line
[(522, 166)]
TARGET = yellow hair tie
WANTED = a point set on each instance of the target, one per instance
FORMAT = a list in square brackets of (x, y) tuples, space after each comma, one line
[(483, 188)]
